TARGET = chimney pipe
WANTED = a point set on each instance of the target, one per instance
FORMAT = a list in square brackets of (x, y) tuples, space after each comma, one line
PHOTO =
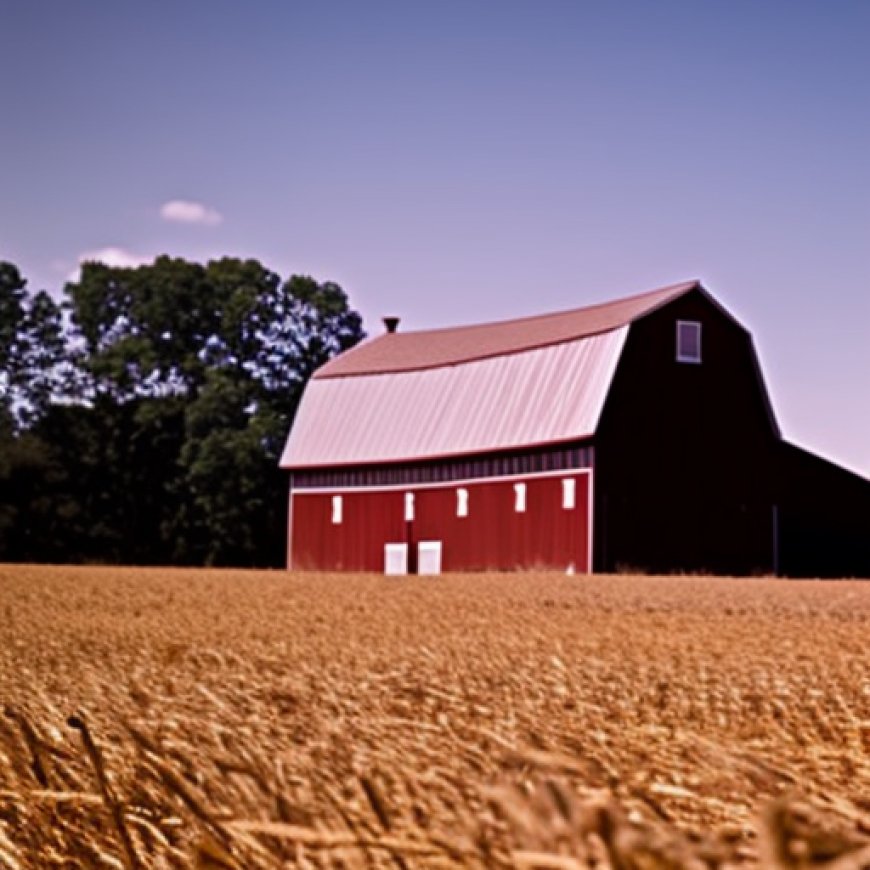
[(391, 324)]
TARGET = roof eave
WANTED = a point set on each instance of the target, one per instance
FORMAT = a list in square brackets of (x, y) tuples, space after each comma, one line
[(579, 441)]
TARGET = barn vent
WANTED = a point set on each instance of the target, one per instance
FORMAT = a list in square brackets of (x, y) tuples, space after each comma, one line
[(391, 324)]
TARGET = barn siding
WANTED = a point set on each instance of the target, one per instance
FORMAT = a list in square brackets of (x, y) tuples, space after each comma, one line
[(557, 458), (824, 517), (685, 453), (494, 536)]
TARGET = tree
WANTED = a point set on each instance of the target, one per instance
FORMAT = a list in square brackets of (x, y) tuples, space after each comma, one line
[(33, 361), (202, 368), (158, 329), (30, 347), (229, 471), (12, 311), (144, 330), (12, 297), (273, 337), (152, 432), (48, 372)]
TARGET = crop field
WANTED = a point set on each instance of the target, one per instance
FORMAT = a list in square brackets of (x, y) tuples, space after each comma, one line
[(234, 719)]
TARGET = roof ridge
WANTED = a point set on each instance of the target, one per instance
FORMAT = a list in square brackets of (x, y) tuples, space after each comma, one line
[(453, 345), (526, 318)]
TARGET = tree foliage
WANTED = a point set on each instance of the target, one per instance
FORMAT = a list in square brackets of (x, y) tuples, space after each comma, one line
[(149, 429), (32, 348)]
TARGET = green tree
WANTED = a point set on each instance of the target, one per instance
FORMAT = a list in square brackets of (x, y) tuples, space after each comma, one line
[(34, 367), (144, 330), (12, 296), (152, 433), (210, 362), (229, 472)]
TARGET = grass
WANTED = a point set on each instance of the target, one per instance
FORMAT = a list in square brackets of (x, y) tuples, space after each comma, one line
[(183, 718)]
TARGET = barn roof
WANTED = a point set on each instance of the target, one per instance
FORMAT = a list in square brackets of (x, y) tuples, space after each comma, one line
[(472, 389), (430, 348)]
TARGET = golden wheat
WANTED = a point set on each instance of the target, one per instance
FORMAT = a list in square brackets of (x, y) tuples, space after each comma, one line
[(228, 719)]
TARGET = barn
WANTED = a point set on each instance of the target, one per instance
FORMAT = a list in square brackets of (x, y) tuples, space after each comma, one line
[(635, 435)]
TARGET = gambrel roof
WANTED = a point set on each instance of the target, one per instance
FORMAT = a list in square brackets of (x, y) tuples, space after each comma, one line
[(431, 348), (430, 394)]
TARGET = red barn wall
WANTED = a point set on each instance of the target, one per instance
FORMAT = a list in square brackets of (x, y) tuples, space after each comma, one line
[(494, 536)]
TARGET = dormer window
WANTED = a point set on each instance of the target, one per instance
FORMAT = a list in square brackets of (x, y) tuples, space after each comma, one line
[(688, 341)]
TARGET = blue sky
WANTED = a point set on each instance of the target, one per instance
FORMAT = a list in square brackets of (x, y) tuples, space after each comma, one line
[(463, 161)]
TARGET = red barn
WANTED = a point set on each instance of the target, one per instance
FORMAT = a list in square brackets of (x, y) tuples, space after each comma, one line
[(633, 435)]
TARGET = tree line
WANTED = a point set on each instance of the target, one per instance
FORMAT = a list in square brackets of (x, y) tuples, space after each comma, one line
[(143, 416)]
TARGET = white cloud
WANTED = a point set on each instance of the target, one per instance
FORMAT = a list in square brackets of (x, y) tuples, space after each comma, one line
[(110, 257), (184, 211)]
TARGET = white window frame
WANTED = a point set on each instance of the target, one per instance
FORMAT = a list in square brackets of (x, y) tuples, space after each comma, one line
[(682, 355), (569, 493), (409, 507), (520, 497), (337, 510), (462, 502), (395, 559), (429, 558)]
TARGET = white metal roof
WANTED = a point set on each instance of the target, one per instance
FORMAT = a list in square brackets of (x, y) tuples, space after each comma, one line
[(545, 395)]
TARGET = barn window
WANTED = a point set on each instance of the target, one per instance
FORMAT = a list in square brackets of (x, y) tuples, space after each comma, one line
[(409, 507), (569, 493), (395, 559), (520, 498), (428, 558), (461, 502), (688, 341), (336, 510)]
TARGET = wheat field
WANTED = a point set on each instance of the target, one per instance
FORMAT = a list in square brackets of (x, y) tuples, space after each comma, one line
[(231, 719)]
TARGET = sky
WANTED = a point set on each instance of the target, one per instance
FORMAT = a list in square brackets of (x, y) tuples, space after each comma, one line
[(455, 162)]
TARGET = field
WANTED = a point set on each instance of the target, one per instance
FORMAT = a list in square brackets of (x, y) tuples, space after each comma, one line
[(172, 718)]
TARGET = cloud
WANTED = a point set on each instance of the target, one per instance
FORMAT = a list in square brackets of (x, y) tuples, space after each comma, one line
[(184, 211), (110, 257)]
